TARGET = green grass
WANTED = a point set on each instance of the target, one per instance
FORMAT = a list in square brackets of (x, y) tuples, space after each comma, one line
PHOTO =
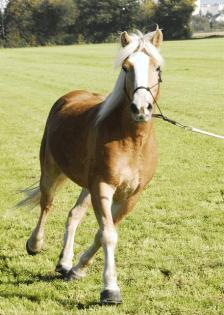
[(170, 255)]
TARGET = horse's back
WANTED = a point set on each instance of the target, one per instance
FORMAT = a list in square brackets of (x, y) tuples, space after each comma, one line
[(67, 133), (75, 102), (81, 100)]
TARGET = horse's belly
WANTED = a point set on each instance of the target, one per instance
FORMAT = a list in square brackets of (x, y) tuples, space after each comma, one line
[(72, 160)]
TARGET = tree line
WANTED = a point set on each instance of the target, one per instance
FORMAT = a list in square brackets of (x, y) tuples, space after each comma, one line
[(59, 22)]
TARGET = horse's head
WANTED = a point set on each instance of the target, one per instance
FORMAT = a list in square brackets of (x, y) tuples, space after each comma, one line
[(140, 60)]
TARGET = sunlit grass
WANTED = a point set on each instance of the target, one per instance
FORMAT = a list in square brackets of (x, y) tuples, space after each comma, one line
[(170, 251)]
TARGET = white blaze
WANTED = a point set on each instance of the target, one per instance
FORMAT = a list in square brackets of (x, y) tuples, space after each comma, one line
[(140, 62), (142, 97)]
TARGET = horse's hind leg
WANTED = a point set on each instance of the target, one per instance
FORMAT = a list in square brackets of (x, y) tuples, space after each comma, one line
[(74, 218), (51, 178)]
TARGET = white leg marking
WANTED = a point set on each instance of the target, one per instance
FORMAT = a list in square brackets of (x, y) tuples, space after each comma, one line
[(102, 200), (109, 241)]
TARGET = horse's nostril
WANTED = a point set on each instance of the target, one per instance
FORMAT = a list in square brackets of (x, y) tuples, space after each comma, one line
[(149, 106), (134, 108)]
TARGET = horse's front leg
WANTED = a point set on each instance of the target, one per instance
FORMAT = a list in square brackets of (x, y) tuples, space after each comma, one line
[(102, 198), (74, 218), (119, 211)]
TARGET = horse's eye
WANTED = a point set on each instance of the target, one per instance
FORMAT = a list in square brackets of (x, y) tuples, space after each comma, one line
[(158, 69), (124, 67)]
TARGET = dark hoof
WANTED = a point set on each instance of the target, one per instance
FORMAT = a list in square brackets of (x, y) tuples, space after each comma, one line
[(64, 272), (110, 297), (29, 251), (72, 275)]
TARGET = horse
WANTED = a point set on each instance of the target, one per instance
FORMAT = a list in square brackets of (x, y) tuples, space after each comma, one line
[(107, 146)]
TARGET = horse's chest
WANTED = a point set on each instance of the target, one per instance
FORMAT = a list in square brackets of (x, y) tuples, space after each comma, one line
[(128, 177)]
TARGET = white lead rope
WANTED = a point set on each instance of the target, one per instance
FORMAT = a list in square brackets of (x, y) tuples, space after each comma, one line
[(188, 128), (165, 118), (206, 133)]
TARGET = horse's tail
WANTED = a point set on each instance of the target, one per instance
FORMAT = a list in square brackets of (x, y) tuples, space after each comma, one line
[(32, 197)]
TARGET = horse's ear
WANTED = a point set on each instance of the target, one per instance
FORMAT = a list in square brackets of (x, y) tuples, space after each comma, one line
[(157, 38), (125, 39)]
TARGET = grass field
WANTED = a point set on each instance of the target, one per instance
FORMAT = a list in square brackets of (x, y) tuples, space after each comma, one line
[(170, 255)]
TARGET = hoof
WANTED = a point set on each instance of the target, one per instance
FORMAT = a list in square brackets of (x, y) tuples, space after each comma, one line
[(63, 271), (109, 297), (73, 275), (29, 251)]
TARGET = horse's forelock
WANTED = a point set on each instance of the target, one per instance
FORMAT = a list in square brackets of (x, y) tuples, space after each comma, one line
[(139, 42)]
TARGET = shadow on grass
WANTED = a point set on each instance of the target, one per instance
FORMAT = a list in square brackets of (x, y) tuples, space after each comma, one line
[(35, 278), (90, 305), (68, 305), (10, 271), (30, 297), (16, 278), (81, 306), (35, 298)]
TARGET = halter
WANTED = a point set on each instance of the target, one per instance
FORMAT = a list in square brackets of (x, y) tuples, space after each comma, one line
[(143, 87)]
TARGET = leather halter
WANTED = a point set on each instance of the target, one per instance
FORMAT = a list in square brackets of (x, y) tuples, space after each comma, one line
[(143, 87)]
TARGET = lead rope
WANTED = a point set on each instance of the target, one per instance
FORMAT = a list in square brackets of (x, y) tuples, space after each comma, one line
[(167, 119), (180, 125)]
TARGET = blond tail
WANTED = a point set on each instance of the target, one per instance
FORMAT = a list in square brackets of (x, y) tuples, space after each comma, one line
[(32, 198)]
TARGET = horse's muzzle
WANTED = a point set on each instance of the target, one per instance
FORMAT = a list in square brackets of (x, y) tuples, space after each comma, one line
[(140, 118)]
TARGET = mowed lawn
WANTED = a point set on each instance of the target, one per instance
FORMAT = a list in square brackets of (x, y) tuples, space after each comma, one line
[(170, 254)]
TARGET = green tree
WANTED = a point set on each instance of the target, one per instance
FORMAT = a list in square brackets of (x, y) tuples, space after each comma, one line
[(19, 24), (43, 22), (174, 17), (53, 21), (39, 22), (144, 20), (3, 5), (98, 19)]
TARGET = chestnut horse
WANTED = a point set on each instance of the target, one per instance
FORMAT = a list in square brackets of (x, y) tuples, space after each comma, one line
[(106, 146)]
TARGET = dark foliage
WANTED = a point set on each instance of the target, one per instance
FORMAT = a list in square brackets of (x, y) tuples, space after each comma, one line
[(174, 17), (32, 22), (50, 22), (97, 20)]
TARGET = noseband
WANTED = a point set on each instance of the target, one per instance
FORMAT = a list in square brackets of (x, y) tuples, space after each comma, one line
[(141, 88)]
